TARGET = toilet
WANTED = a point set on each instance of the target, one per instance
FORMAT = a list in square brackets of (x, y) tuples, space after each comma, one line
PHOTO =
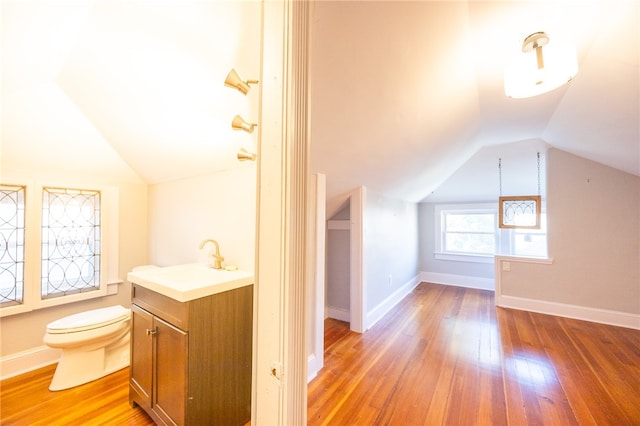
[(94, 343)]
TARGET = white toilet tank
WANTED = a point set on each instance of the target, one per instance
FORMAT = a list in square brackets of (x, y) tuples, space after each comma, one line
[(89, 320)]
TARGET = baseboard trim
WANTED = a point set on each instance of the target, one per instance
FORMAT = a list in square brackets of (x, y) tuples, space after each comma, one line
[(385, 306), (602, 316), (25, 361), (458, 280), (338, 313)]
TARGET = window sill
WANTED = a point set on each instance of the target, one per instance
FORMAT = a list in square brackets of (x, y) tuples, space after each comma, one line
[(525, 259), (489, 258), (111, 288), (459, 257)]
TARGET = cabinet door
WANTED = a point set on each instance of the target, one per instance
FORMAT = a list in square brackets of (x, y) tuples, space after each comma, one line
[(141, 352), (169, 398)]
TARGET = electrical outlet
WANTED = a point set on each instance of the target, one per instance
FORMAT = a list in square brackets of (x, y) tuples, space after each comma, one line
[(506, 266)]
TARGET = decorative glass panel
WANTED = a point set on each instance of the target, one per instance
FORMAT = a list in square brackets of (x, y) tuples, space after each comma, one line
[(520, 212), (70, 241), (11, 245)]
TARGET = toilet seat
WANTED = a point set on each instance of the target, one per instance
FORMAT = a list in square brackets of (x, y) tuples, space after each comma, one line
[(89, 320)]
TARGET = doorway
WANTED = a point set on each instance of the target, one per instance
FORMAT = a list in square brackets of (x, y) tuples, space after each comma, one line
[(337, 296)]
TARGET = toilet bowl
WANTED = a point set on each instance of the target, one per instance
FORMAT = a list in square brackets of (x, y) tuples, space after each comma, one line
[(94, 343)]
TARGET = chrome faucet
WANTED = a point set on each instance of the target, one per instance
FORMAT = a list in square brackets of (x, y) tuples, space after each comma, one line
[(217, 259)]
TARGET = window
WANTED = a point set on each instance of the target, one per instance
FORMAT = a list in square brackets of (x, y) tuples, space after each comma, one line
[(11, 244), (57, 245), (70, 241), (530, 242), (470, 233)]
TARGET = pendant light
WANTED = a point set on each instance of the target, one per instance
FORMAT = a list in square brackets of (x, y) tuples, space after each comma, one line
[(541, 67)]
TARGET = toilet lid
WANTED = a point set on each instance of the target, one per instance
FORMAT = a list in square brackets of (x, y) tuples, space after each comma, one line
[(89, 320)]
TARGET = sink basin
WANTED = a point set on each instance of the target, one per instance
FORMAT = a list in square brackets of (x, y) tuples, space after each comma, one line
[(189, 281)]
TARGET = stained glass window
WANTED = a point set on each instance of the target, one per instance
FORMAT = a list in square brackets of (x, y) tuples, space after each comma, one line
[(70, 241), (12, 216), (520, 212)]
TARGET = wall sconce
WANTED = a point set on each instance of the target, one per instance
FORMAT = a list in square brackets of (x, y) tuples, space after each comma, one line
[(234, 80), (534, 74), (244, 155), (238, 123)]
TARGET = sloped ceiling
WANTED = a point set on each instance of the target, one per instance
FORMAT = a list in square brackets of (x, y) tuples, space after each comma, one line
[(403, 94), (127, 89)]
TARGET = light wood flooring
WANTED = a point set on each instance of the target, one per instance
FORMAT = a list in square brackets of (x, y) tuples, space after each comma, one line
[(447, 356), (444, 355), (26, 400)]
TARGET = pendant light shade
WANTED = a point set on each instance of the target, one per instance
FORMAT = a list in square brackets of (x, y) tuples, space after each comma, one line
[(541, 67)]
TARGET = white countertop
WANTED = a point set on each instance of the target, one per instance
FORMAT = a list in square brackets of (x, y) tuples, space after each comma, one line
[(189, 281)]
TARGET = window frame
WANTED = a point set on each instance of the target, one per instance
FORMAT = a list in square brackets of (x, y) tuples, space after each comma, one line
[(19, 262), (54, 228), (542, 229), (109, 262), (441, 254), (505, 238)]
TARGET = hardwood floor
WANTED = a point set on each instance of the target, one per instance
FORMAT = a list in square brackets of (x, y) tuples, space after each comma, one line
[(26, 400), (444, 355)]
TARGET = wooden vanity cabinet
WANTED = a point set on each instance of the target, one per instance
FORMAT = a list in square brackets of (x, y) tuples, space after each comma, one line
[(191, 361)]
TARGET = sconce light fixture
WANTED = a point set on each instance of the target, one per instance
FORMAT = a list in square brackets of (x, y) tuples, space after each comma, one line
[(533, 73), (244, 155), (238, 123), (234, 80)]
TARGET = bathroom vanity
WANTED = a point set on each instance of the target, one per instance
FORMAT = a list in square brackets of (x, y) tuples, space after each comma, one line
[(191, 345)]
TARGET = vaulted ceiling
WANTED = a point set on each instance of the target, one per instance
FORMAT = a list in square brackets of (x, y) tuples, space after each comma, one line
[(403, 94), (131, 90)]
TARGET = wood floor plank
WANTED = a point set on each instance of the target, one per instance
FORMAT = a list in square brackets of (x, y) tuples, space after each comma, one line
[(467, 362), (444, 355), (27, 400)]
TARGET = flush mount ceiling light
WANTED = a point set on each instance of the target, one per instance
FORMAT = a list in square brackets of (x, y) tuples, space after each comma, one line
[(238, 123), (534, 73), (234, 80)]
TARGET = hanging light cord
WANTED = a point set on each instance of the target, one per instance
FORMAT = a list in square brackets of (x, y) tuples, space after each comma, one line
[(500, 174), (538, 173)]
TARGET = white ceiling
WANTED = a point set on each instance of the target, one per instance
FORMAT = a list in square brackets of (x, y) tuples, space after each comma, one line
[(127, 88), (403, 93)]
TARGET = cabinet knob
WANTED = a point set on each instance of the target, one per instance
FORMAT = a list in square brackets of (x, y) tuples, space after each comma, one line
[(151, 332)]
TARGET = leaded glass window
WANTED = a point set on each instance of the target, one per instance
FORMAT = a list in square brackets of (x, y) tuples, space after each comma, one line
[(521, 212), (71, 237), (12, 218)]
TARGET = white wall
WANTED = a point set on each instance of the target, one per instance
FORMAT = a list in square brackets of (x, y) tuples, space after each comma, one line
[(221, 206), (338, 272), (594, 240), (390, 251)]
